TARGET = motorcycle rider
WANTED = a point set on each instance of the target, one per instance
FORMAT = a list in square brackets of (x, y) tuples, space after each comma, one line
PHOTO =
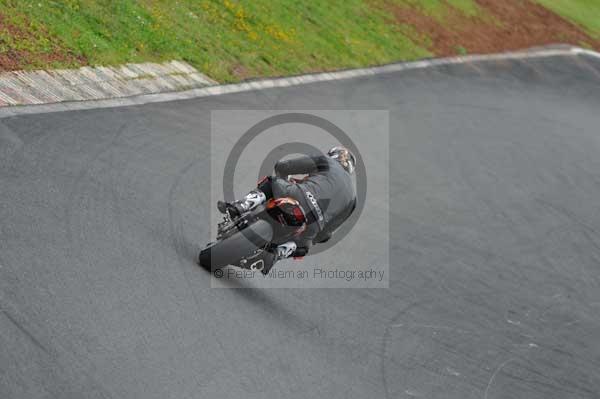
[(327, 192)]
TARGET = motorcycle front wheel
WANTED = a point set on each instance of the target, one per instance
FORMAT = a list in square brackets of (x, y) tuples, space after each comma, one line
[(232, 249)]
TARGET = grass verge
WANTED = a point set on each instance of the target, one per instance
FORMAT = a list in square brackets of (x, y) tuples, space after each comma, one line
[(585, 13), (229, 40), (232, 40)]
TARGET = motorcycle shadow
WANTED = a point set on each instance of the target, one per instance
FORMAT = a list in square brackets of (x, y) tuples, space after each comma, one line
[(268, 299)]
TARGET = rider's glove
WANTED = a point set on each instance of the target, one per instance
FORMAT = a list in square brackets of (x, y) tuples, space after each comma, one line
[(285, 250)]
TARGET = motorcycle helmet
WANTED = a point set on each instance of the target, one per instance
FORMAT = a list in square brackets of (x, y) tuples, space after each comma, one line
[(344, 156)]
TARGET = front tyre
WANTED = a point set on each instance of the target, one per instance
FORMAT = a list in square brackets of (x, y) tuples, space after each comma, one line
[(235, 247)]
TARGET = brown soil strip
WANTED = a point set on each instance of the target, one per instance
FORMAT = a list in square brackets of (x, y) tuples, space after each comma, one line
[(504, 25), (23, 59)]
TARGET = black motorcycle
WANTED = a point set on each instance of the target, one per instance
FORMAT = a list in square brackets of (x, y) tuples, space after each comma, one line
[(249, 241)]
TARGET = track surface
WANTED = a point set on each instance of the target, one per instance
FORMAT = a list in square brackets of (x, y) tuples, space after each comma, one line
[(495, 230)]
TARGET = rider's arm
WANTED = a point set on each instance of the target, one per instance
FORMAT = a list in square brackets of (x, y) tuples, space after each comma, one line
[(306, 243), (306, 239), (301, 166), (302, 247), (322, 237)]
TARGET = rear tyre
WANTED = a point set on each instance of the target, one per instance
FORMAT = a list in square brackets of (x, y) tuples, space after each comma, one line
[(231, 250)]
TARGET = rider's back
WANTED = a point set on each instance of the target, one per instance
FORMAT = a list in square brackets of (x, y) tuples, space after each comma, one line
[(332, 187)]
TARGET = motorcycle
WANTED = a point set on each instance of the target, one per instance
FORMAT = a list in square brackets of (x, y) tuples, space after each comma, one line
[(249, 241)]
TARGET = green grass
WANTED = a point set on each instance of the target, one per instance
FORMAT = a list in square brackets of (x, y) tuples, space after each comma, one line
[(439, 8), (230, 40), (29, 43), (36, 41), (585, 13), (226, 39)]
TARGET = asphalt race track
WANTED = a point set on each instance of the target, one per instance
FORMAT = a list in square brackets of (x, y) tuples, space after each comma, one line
[(495, 247)]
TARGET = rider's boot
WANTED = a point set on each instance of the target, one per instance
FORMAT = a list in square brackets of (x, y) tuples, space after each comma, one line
[(253, 199)]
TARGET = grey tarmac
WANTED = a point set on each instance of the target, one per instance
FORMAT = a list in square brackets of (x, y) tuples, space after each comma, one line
[(495, 247)]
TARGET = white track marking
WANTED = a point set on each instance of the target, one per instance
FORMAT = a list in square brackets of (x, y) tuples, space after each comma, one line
[(583, 51), (293, 81), (485, 395)]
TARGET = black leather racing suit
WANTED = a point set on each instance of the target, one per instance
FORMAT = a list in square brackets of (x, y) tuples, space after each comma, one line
[(327, 195)]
